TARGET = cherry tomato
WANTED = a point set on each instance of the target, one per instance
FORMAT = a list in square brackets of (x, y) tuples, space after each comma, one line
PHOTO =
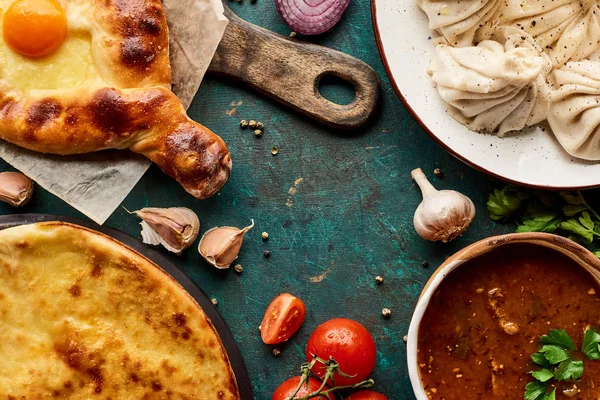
[(350, 345), (366, 395), (283, 318), (287, 388)]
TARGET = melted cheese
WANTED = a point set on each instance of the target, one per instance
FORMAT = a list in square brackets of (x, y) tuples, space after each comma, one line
[(83, 317), (72, 65)]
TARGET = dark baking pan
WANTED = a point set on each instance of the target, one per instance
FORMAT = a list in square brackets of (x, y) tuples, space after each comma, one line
[(235, 356)]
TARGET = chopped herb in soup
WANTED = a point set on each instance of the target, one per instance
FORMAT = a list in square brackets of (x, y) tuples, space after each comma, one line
[(486, 319)]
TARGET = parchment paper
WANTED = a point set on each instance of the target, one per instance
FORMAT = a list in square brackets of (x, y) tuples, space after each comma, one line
[(95, 184)]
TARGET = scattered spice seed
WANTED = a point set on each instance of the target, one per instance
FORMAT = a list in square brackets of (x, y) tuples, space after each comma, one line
[(264, 235), (243, 124), (258, 133), (292, 34), (438, 172), (425, 264), (276, 352), (252, 124), (267, 254), (214, 301), (386, 312), (592, 291), (274, 151), (238, 268), (260, 125), (379, 280), (405, 338)]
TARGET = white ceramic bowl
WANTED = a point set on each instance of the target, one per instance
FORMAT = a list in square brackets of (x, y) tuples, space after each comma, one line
[(577, 253), (533, 159)]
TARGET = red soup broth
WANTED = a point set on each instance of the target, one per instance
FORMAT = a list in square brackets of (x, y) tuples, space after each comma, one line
[(474, 344)]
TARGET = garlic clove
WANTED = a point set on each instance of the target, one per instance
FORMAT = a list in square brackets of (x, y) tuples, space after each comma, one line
[(443, 214), (220, 246), (15, 188), (174, 228)]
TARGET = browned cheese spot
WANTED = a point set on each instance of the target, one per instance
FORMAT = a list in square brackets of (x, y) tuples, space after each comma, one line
[(180, 319), (79, 359), (75, 290), (97, 260), (169, 369)]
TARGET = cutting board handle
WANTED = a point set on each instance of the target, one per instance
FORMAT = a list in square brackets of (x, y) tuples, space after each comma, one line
[(290, 71)]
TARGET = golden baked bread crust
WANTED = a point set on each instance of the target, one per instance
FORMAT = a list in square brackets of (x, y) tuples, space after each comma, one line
[(131, 42), (149, 121), (82, 315), (125, 103)]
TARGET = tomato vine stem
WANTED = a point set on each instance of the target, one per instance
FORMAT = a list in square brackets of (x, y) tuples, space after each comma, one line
[(332, 367)]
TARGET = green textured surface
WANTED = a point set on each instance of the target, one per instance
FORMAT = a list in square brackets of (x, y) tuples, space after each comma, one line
[(349, 220)]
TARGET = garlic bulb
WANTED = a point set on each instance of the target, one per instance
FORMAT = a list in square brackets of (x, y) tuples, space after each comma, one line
[(221, 246), (15, 188), (443, 214), (175, 228)]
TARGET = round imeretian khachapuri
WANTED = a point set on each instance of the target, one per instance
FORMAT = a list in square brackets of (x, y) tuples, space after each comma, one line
[(82, 317)]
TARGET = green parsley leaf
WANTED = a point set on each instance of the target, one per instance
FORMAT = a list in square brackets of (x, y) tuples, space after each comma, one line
[(556, 362), (558, 337), (543, 375), (569, 369), (554, 354), (586, 220), (597, 253), (541, 223), (535, 391), (571, 210), (573, 198), (551, 396), (574, 226), (540, 360), (502, 205), (591, 344)]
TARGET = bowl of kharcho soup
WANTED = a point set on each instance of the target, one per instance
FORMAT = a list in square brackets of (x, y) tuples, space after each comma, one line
[(509, 317)]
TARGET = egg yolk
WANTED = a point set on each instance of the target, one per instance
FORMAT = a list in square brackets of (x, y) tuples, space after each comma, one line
[(35, 28)]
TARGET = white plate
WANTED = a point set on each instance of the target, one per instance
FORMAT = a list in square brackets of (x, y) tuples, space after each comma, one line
[(534, 158)]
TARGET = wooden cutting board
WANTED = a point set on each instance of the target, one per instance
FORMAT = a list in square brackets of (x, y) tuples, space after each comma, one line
[(289, 71)]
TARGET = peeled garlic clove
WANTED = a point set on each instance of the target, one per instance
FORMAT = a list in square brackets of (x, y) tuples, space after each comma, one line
[(15, 188), (443, 214), (175, 228), (221, 246)]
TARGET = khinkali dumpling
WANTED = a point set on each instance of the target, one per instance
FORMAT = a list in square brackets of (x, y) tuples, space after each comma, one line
[(493, 87), (575, 108), (567, 30), (458, 21)]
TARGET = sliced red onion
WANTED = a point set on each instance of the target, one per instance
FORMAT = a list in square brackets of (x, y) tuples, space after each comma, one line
[(311, 17)]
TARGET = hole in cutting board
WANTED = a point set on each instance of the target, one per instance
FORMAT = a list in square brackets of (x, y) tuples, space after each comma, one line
[(336, 89)]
